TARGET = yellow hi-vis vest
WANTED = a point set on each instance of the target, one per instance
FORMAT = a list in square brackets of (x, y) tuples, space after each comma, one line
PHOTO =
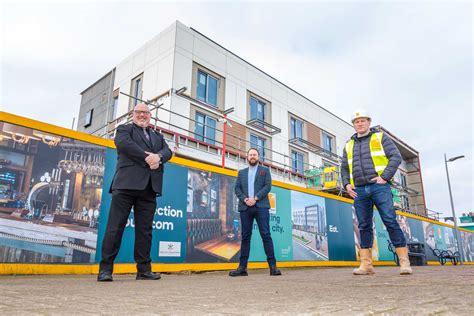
[(376, 151)]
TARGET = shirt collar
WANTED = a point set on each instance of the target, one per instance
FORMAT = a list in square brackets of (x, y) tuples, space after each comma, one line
[(145, 128)]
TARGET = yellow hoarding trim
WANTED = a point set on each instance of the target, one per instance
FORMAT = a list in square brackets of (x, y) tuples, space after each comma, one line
[(201, 165), (53, 129), (124, 268), (424, 219), (436, 263), (310, 191)]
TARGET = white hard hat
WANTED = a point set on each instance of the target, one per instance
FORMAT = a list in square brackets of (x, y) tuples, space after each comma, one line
[(360, 113)]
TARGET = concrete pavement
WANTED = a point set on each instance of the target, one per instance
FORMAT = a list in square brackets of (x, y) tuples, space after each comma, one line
[(432, 289)]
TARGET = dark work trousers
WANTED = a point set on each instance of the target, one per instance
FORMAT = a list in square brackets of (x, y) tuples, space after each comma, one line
[(262, 216), (144, 205)]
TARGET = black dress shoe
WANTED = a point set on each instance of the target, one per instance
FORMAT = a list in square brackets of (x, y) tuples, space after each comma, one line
[(241, 271), (275, 271), (148, 276), (104, 276)]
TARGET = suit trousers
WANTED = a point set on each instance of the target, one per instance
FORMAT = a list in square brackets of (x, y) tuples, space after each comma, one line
[(262, 216), (144, 205)]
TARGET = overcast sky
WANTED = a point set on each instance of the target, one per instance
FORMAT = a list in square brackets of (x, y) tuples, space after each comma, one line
[(408, 63)]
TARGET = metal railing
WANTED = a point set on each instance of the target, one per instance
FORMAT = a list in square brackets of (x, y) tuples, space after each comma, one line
[(183, 137), (285, 166)]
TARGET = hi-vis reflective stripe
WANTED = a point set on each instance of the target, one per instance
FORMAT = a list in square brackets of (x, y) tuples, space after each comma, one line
[(349, 153), (376, 152)]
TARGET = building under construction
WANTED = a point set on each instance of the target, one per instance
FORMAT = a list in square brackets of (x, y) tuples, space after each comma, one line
[(212, 106)]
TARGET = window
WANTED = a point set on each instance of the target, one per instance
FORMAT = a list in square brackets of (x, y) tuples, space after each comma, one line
[(136, 91), (205, 128), (297, 161), (257, 109), (207, 88), (403, 180), (88, 118), (405, 202), (259, 143), (327, 142), (113, 109), (296, 128)]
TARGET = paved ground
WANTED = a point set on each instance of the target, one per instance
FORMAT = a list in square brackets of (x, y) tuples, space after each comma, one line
[(444, 290)]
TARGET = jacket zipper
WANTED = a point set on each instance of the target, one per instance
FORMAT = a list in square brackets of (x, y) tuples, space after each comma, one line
[(360, 159)]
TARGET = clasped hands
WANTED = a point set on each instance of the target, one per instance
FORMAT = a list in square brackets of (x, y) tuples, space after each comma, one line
[(153, 160), (250, 201)]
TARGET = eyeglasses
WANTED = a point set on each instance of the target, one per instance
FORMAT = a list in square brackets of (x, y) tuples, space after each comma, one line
[(137, 112)]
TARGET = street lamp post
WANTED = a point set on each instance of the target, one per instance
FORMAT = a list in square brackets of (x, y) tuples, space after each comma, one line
[(456, 231)]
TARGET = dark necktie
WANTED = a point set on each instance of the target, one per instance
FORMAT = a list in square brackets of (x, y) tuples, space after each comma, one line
[(146, 134)]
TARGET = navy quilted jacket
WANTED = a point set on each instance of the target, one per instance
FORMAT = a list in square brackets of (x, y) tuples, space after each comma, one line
[(362, 166)]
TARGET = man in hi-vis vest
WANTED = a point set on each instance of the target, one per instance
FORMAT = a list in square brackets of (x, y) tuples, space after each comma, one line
[(370, 159)]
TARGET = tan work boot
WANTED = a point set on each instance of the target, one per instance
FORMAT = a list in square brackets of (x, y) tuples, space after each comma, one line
[(402, 253), (365, 263)]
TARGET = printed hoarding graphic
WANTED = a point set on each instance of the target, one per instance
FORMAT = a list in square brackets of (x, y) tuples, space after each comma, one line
[(50, 195), (169, 223), (340, 227), (213, 230), (55, 200), (280, 229), (309, 229)]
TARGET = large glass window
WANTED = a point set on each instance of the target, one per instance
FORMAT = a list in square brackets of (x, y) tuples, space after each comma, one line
[(113, 109), (207, 86), (296, 128), (297, 161), (257, 109), (205, 128), (136, 88), (259, 143), (327, 142)]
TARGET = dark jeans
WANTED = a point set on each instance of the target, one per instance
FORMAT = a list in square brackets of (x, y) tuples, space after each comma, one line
[(262, 216), (381, 196), (144, 205)]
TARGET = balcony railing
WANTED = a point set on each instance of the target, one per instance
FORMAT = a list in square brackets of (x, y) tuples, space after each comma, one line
[(264, 126), (303, 143)]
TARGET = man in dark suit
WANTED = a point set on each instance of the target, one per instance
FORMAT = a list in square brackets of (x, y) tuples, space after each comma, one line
[(251, 188), (141, 154)]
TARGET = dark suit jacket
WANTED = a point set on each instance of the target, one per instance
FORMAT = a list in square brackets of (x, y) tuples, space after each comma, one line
[(262, 186), (132, 172)]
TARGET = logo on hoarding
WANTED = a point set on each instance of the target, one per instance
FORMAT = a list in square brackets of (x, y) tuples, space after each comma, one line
[(170, 249), (285, 252)]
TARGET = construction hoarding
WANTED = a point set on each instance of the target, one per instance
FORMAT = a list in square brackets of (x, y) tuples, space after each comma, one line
[(54, 205)]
